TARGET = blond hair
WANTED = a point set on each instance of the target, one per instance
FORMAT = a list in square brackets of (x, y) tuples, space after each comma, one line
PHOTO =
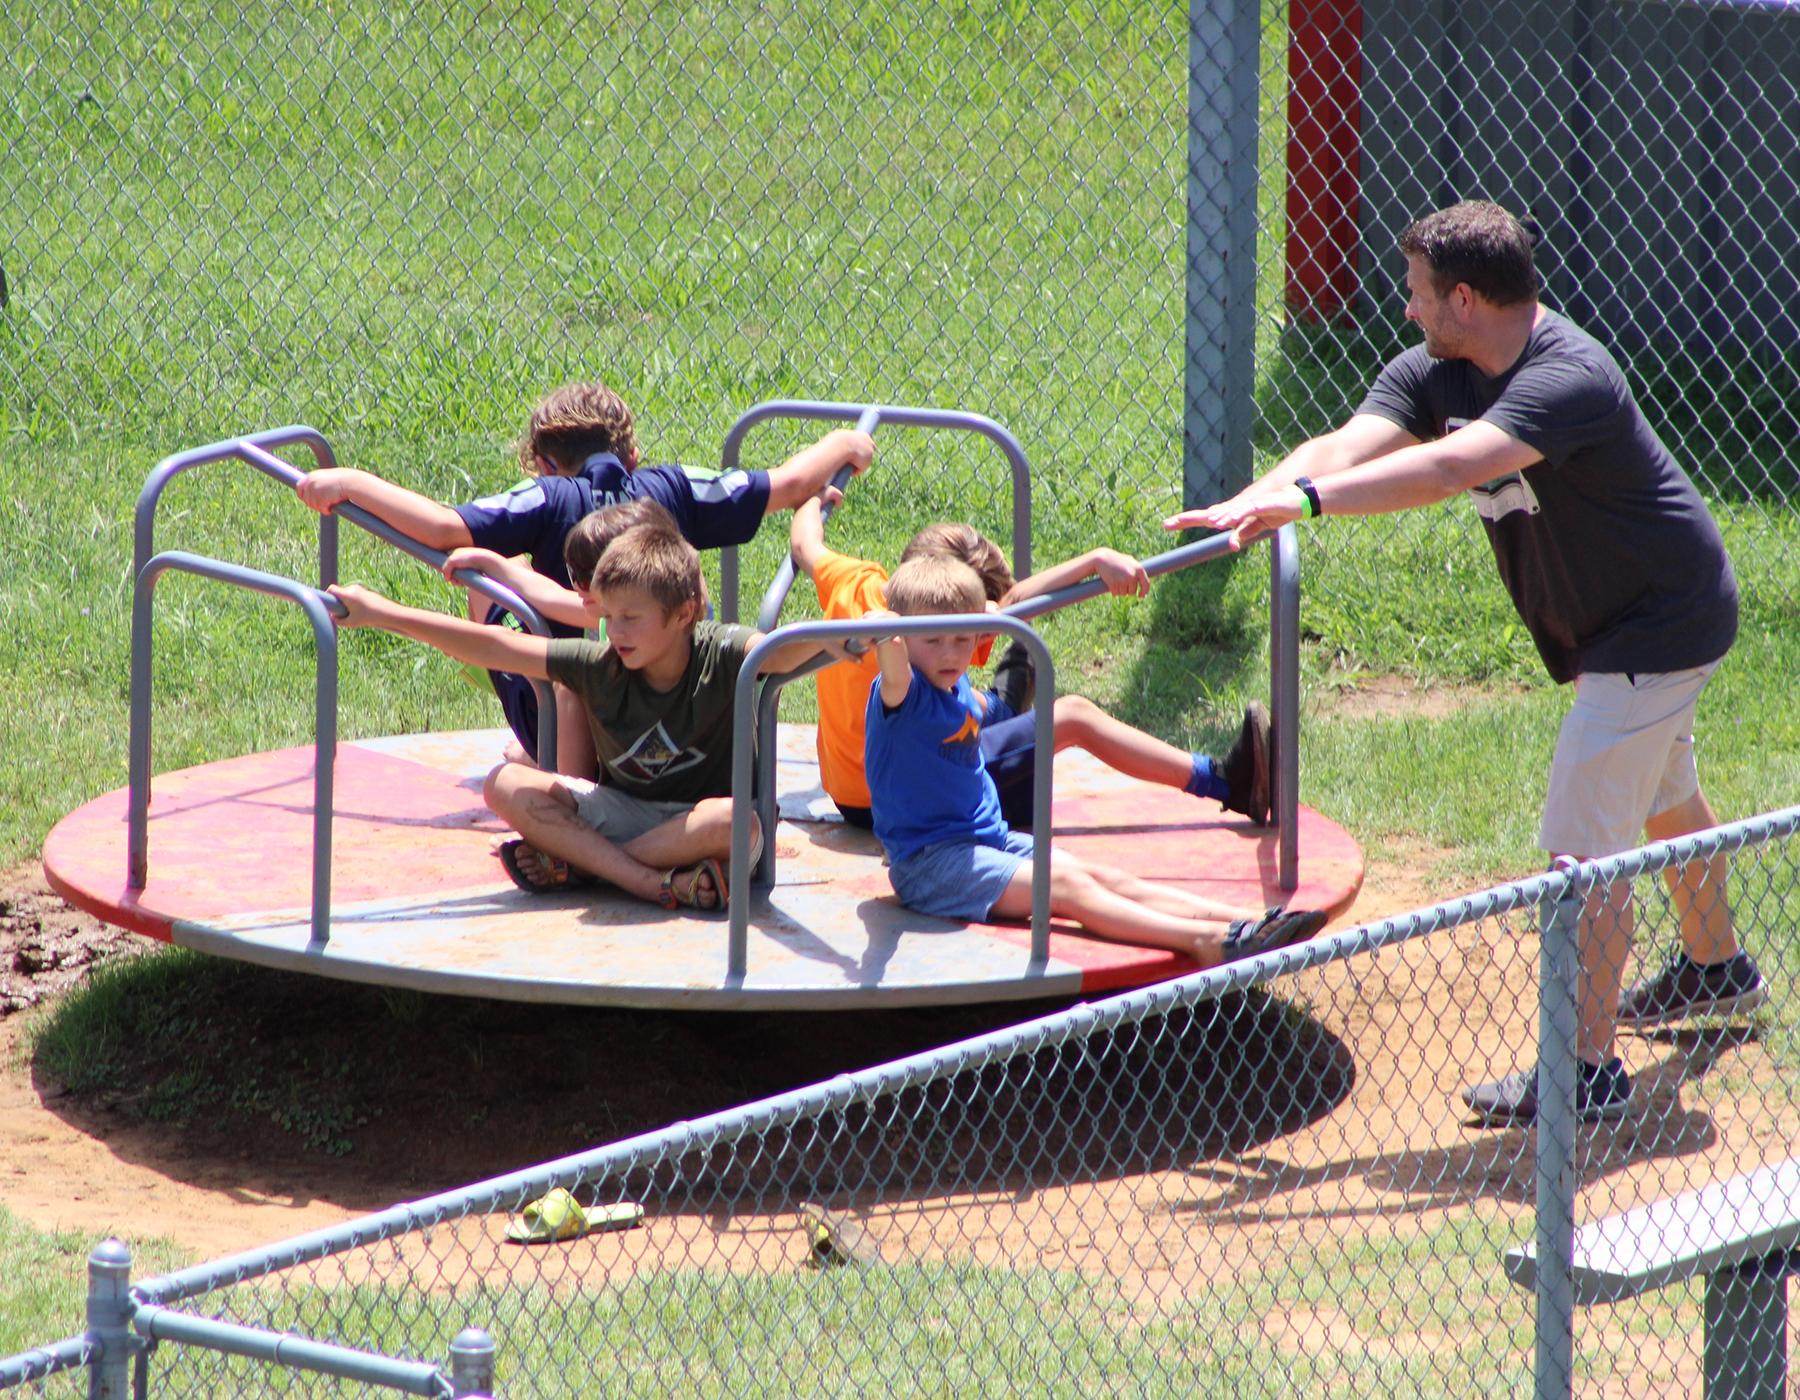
[(584, 545), (573, 422), (955, 540), (655, 561), (935, 583)]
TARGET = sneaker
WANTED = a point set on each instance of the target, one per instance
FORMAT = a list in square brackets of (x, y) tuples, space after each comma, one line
[(1247, 765), (1601, 1092), (1278, 928), (1687, 988)]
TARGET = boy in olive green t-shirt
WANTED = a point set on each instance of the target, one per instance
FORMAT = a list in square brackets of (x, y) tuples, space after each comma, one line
[(658, 693)]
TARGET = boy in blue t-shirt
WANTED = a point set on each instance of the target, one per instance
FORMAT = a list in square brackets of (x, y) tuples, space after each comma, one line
[(937, 814), (580, 446)]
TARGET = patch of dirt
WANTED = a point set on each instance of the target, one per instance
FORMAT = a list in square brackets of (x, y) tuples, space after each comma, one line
[(1367, 695), (45, 945)]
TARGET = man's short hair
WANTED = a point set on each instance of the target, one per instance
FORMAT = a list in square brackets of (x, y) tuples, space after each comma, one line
[(955, 540), (584, 545), (1477, 243), (655, 561), (935, 583)]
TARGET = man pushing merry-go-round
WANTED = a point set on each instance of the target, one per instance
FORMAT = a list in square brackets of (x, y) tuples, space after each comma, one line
[(1614, 564)]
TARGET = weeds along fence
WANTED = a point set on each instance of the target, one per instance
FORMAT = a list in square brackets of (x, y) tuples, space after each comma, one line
[(1259, 1180), (1155, 241)]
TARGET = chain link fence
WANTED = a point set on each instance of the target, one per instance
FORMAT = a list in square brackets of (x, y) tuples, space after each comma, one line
[(1261, 1179), (402, 227)]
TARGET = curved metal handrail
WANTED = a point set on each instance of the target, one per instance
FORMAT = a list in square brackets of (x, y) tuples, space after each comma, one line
[(253, 449), (744, 753), (320, 608), (768, 616), (895, 415)]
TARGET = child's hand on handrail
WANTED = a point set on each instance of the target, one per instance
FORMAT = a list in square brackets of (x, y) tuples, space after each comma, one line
[(363, 607), (327, 488), (481, 561), (1122, 574)]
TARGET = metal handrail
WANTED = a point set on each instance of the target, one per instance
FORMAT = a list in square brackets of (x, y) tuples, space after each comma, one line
[(768, 616), (320, 608), (895, 415), (744, 754), (253, 448)]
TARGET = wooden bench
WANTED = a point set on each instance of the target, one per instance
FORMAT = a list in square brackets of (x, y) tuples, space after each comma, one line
[(1743, 1234)]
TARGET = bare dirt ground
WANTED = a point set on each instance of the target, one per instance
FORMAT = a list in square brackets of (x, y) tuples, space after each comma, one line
[(437, 1093)]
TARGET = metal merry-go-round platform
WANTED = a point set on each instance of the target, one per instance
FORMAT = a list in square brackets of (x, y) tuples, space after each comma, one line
[(374, 861)]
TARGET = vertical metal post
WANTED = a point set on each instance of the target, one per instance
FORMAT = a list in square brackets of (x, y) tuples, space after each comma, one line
[(109, 1321), (472, 1364), (1559, 919), (1746, 1332), (1284, 695), (1219, 377)]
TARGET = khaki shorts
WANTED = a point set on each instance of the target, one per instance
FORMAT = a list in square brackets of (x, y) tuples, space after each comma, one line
[(1625, 754), (616, 814)]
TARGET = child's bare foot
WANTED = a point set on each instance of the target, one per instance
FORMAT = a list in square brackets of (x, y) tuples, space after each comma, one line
[(515, 753)]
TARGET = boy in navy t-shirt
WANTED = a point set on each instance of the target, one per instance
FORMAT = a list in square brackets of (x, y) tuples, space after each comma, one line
[(937, 814), (580, 448)]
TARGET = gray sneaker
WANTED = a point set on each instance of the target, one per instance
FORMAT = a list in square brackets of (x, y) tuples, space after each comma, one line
[(1601, 1092), (1686, 988)]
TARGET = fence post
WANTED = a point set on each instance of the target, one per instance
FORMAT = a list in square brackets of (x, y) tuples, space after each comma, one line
[(109, 1310), (1559, 920), (1219, 379), (472, 1364)]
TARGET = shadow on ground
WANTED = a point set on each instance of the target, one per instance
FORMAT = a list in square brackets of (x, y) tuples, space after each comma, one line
[(371, 1096)]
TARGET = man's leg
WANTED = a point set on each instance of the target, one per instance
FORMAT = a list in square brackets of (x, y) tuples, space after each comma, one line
[(1712, 975)]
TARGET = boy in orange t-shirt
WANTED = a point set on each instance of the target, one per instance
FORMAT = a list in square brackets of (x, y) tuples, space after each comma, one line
[(849, 587)]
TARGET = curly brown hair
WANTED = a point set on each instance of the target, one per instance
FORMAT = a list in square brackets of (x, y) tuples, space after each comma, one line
[(573, 422), (955, 540)]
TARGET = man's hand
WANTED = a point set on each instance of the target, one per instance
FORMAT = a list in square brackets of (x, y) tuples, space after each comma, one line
[(1121, 574), (327, 488), (1248, 517)]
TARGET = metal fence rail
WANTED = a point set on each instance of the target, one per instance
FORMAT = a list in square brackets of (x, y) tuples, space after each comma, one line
[(1260, 1177)]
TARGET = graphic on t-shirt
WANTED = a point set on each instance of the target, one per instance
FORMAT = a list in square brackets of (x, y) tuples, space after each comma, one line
[(1503, 496), (965, 737), (654, 756)]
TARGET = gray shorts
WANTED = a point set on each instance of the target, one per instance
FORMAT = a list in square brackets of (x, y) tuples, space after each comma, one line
[(1625, 753), (617, 815), (959, 879)]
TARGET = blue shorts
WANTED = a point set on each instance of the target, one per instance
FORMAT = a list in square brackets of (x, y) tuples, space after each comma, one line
[(958, 879), (1009, 749)]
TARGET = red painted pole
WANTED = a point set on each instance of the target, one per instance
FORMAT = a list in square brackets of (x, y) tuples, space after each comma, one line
[(1324, 156)]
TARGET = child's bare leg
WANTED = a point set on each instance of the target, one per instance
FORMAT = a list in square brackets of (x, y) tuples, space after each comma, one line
[(1171, 899), (701, 833), (574, 740), (542, 810), (1081, 724), (1076, 893)]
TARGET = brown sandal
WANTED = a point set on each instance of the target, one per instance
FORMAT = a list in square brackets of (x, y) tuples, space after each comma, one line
[(673, 896)]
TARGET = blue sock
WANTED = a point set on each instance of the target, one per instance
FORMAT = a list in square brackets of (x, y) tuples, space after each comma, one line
[(1206, 780)]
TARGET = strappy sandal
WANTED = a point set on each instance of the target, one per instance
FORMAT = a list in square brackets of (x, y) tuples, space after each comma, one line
[(674, 895), (552, 876)]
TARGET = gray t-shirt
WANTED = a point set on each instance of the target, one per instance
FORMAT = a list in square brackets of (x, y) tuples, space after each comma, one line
[(667, 745), (1610, 556)]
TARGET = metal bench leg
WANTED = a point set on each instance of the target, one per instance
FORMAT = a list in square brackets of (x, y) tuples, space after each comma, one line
[(1746, 1332)]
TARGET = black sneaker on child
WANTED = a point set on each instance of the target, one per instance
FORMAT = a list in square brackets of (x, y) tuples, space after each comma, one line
[(1247, 765), (1601, 1092), (1687, 988), (1278, 928)]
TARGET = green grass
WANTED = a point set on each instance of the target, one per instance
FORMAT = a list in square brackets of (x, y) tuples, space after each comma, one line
[(216, 219)]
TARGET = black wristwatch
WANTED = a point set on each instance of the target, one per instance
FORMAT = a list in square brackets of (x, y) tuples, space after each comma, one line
[(1311, 492)]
